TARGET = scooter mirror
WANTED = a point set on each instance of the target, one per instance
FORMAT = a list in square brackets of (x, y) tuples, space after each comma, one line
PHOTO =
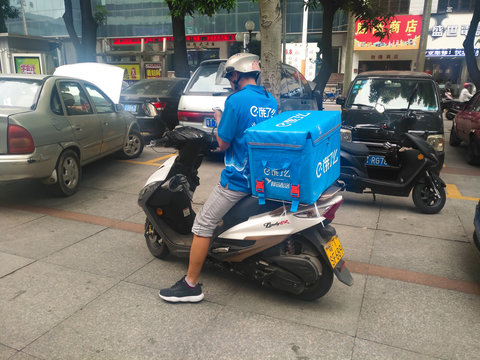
[(380, 108), (149, 109)]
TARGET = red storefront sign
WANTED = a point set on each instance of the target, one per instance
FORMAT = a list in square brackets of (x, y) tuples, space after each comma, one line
[(405, 31), (188, 38)]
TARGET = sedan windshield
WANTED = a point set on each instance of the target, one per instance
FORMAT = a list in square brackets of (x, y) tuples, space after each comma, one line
[(19, 92), (393, 94)]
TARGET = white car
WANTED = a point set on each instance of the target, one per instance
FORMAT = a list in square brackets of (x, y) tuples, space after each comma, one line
[(207, 89)]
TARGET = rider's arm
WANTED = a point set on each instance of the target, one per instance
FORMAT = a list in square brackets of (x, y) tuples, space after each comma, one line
[(223, 145)]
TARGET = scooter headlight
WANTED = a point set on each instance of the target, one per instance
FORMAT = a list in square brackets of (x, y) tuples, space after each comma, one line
[(345, 135), (436, 141)]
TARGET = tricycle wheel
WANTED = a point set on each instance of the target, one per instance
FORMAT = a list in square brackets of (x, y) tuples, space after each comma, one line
[(155, 243), (426, 199), (472, 157), (454, 140), (476, 241)]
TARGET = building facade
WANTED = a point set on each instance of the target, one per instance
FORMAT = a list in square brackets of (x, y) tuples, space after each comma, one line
[(137, 35)]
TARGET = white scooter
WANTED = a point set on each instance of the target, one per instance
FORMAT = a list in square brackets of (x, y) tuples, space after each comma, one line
[(294, 252)]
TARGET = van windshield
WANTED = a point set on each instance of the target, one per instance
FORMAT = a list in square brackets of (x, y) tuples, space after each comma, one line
[(209, 78), (393, 94)]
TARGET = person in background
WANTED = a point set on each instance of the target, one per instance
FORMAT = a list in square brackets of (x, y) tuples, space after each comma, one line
[(250, 104), (465, 94)]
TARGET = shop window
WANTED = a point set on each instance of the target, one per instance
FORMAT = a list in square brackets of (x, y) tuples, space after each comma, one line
[(455, 6), (395, 6)]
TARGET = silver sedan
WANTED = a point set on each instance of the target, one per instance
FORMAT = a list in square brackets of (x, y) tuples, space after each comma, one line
[(50, 126)]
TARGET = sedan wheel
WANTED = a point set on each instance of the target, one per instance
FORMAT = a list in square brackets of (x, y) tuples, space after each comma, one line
[(68, 174), (133, 146)]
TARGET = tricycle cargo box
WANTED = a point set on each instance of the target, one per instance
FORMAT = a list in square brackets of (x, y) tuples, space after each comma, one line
[(294, 156)]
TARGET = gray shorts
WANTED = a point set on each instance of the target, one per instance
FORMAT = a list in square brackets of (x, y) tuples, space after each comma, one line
[(217, 205)]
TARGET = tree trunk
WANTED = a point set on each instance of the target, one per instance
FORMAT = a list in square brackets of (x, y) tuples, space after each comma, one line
[(68, 20), (89, 33), (3, 26), (180, 58), (469, 45), (326, 48), (271, 50)]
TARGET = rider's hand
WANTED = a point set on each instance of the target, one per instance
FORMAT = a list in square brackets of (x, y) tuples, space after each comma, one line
[(217, 114)]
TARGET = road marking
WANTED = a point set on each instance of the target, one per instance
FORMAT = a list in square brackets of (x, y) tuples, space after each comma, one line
[(454, 193), (354, 266), (153, 162)]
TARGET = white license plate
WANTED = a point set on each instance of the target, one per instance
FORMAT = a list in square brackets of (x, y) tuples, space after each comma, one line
[(209, 122), (130, 107), (376, 160)]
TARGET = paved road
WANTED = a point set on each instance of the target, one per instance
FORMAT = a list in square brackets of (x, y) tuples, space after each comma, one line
[(77, 281)]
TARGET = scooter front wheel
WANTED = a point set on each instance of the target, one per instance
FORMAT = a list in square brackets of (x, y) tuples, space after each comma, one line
[(155, 243), (426, 199)]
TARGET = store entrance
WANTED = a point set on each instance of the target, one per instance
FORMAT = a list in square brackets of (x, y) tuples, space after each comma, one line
[(384, 65)]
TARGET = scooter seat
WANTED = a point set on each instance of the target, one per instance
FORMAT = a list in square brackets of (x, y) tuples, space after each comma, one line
[(355, 148)]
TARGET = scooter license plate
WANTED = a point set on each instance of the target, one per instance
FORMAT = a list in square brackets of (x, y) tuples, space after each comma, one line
[(376, 160), (334, 251), (209, 122)]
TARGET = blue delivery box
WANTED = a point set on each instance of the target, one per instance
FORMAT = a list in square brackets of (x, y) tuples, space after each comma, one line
[(294, 156)]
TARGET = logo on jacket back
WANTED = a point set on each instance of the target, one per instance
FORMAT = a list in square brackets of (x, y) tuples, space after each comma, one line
[(262, 112)]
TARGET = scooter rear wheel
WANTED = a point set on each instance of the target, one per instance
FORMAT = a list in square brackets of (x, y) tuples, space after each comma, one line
[(155, 243), (320, 287), (426, 200)]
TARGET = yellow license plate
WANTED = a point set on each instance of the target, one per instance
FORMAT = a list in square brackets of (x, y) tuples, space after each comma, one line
[(334, 250)]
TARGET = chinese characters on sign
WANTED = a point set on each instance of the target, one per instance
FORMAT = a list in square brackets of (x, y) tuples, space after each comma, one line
[(447, 33), (188, 38), (27, 65), (153, 71), (404, 34)]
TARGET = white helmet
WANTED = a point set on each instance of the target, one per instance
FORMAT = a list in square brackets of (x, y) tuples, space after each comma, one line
[(243, 63)]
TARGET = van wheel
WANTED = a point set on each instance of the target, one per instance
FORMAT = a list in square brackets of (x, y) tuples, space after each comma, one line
[(426, 200), (69, 173), (454, 140), (155, 243)]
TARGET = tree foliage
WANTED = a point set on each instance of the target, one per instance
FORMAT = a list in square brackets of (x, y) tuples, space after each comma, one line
[(374, 18), (178, 10), (468, 46), (86, 46), (6, 12)]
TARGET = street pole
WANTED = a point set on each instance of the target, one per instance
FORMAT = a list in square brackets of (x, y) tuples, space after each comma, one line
[(427, 9), (284, 29), (347, 74), (304, 40), (23, 17)]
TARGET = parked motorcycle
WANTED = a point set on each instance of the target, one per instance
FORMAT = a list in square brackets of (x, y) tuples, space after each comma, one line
[(297, 253), (394, 169)]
